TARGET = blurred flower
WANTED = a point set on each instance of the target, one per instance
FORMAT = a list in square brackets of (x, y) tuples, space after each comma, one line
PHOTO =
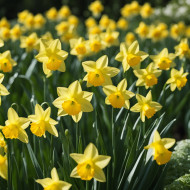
[(1, 43), (39, 21), (90, 164), (41, 122), (130, 56), (52, 56), (160, 146), (73, 20), (90, 22), (96, 7), (54, 183), (178, 79), (182, 49), (22, 16), (4, 23), (122, 24), (15, 126), (5, 33), (164, 60), (98, 73), (104, 22), (177, 30), (64, 12), (3, 167), (142, 30), (146, 106), (118, 96), (95, 43), (6, 62), (147, 77), (73, 101), (29, 42), (52, 14), (29, 21), (16, 32), (3, 90), (62, 27), (157, 33), (129, 38), (146, 10)]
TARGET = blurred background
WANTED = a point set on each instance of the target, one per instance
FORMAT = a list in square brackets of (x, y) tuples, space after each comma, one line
[(10, 8)]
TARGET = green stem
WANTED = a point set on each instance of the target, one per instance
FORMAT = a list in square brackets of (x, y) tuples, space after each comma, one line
[(9, 181), (45, 89), (113, 139), (77, 135), (87, 185)]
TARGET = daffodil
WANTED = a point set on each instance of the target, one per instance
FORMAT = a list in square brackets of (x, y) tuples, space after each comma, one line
[(129, 38), (146, 106), (5, 33), (62, 27), (52, 14), (39, 21), (182, 49), (118, 96), (73, 20), (2, 141), (22, 16), (1, 43), (52, 56), (29, 21), (6, 62), (3, 167), (3, 90), (122, 24), (29, 42), (96, 7), (142, 30), (15, 126), (146, 10), (73, 101), (64, 12), (90, 164), (130, 56), (178, 79), (164, 60), (95, 43), (54, 183), (4, 23), (16, 32), (98, 73), (160, 146), (147, 77), (41, 122)]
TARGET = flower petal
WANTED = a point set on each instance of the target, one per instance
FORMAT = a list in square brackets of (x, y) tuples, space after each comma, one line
[(102, 161)]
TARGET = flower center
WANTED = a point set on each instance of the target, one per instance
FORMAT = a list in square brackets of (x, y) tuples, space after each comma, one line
[(86, 170), (72, 107), (80, 49), (96, 78), (109, 39), (6, 65), (95, 46), (148, 111), (133, 59), (53, 63), (30, 42), (2, 160), (38, 128), (151, 80), (116, 99), (164, 63), (181, 82), (11, 131)]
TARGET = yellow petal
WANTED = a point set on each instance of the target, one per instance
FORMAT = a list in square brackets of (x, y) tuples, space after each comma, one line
[(99, 174), (168, 142), (110, 71), (45, 182), (90, 151), (78, 158), (102, 161), (86, 106), (89, 66), (136, 108), (62, 91), (3, 90), (102, 62), (156, 136), (74, 173), (12, 115), (54, 175), (22, 136), (77, 117), (58, 102), (39, 110), (149, 96), (134, 47), (75, 88), (122, 85), (24, 122), (109, 89), (46, 114), (1, 77)]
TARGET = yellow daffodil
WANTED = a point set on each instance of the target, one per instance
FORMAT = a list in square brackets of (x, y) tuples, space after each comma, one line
[(98, 73), (160, 146), (6, 62), (90, 164), (178, 79), (52, 56), (147, 77), (41, 122), (62, 27), (5, 33), (54, 183), (4, 23), (39, 21), (164, 60), (73, 20), (146, 10), (122, 24), (90, 22), (130, 56), (22, 16), (29, 22), (110, 38), (3, 167), (2, 141), (177, 30), (15, 126), (146, 106), (79, 47), (1, 43), (52, 14), (3, 90), (16, 32), (64, 12), (69, 34), (95, 43), (96, 7), (182, 49), (73, 101), (29, 42), (142, 30), (129, 38), (118, 96), (94, 30)]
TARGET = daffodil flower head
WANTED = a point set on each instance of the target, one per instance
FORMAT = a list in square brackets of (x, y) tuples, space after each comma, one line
[(142, 30), (118, 96), (147, 77), (178, 79), (129, 38), (90, 164), (95, 43), (39, 21), (98, 73), (164, 60), (73, 101), (52, 13), (52, 56), (15, 126), (5, 33), (146, 10), (6, 62), (182, 49), (54, 183), (3, 90), (41, 122), (96, 7), (122, 24), (2, 141), (160, 148), (16, 32), (130, 56), (3, 167), (146, 106), (64, 12)]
